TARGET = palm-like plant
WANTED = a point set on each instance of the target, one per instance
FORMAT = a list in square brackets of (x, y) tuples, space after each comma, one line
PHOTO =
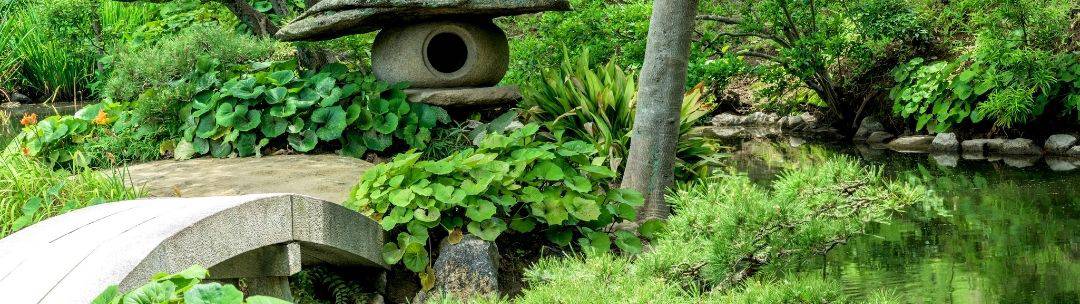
[(597, 105)]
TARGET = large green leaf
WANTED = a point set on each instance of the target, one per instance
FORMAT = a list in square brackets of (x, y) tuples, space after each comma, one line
[(480, 210), (487, 230), (388, 125), (273, 127), (304, 142), (333, 119), (152, 293), (213, 293), (415, 257), (377, 141)]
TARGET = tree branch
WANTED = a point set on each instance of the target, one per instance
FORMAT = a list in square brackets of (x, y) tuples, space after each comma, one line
[(718, 18)]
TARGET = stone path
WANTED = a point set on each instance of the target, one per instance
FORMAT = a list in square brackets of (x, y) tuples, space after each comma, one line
[(328, 177)]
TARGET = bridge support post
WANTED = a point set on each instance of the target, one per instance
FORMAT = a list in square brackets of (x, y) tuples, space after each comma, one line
[(264, 271)]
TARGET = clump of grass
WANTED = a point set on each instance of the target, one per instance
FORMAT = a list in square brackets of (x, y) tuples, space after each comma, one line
[(31, 191)]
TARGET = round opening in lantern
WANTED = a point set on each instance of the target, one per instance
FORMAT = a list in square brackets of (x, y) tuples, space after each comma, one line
[(447, 52)]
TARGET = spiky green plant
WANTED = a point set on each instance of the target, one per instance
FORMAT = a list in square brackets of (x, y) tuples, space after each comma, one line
[(597, 104)]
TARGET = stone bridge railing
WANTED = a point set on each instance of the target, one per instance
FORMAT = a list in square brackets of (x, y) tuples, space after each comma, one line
[(260, 238)]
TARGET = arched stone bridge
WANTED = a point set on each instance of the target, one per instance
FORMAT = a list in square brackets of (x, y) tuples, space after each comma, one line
[(262, 238)]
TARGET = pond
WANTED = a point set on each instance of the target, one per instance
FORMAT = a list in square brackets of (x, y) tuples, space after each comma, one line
[(1010, 235)]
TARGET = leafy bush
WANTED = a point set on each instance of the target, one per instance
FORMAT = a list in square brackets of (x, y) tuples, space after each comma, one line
[(31, 191), (1015, 67), (98, 135), (516, 181), (733, 241), (180, 288), (612, 31), (598, 106), (162, 77), (272, 101), (969, 89)]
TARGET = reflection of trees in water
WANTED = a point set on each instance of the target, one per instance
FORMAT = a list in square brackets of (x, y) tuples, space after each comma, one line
[(1009, 238)]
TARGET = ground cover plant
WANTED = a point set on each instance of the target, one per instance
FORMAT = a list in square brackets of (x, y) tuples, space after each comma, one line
[(1018, 68), (31, 191), (272, 102), (98, 135), (519, 182)]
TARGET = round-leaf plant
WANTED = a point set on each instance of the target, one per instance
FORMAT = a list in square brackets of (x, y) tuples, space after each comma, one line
[(517, 182), (306, 109)]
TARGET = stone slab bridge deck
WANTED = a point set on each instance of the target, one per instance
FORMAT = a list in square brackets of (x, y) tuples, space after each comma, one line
[(261, 238)]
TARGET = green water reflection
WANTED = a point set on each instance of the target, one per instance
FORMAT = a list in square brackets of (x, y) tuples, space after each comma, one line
[(1010, 235)]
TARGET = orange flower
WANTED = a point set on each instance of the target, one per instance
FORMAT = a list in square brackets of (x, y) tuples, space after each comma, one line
[(29, 119), (25, 151), (101, 118)]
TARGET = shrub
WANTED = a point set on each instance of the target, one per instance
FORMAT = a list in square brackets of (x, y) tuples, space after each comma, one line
[(732, 241), (271, 101), (612, 31), (31, 191), (1014, 64), (598, 105), (98, 135), (513, 182), (180, 288), (970, 89), (160, 79)]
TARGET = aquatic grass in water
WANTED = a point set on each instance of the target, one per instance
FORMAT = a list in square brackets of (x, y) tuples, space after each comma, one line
[(31, 191), (54, 50)]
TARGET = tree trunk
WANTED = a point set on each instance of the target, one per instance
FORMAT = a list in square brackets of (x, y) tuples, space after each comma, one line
[(651, 161), (260, 25)]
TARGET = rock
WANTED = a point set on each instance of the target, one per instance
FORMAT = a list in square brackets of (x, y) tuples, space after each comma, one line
[(1060, 163), (810, 120), (994, 146), (1020, 146), (727, 119), (14, 97), (945, 159), (792, 122), (760, 119), (974, 146), (467, 269), (868, 126), (912, 144), (466, 97), (879, 137), (1074, 151), (1059, 144), (945, 142), (796, 142), (335, 18)]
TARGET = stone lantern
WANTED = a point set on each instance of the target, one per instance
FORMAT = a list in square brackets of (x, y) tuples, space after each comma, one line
[(449, 51)]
